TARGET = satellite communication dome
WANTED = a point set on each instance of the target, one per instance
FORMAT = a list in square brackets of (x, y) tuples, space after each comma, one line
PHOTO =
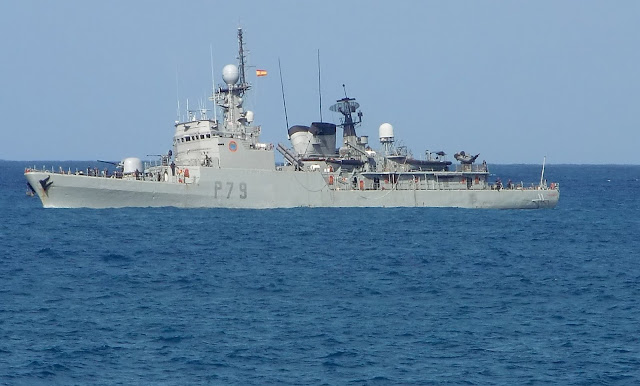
[(249, 116), (386, 132), (230, 74)]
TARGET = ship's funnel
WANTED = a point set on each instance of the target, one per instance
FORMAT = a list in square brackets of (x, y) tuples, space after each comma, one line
[(325, 135), (301, 139), (319, 139)]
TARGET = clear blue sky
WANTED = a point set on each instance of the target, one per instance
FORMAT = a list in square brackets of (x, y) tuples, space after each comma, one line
[(511, 80)]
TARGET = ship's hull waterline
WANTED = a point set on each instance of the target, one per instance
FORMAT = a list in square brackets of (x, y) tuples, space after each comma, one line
[(260, 189)]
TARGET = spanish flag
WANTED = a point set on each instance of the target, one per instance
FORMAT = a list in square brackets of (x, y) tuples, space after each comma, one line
[(261, 72)]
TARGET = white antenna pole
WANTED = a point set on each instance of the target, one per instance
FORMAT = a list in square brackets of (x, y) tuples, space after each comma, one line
[(213, 87), (177, 96), (544, 160)]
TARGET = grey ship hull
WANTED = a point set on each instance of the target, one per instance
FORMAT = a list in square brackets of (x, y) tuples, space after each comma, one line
[(258, 189)]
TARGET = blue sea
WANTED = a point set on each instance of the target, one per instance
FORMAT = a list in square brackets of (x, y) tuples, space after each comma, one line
[(325, 296)]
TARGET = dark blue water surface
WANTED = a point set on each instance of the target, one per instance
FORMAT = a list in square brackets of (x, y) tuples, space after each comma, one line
[(325, 296)]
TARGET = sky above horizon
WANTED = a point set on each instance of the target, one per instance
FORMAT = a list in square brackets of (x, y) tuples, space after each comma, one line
[(512, 80)]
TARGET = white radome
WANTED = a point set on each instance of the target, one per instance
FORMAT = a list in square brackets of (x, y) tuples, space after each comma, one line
[(230, 74), (386, 131)]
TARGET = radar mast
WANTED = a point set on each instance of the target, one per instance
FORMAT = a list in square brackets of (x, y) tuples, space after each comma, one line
[(243, 84), (347, 106)]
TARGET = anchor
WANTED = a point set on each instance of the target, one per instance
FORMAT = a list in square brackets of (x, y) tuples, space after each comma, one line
[(46, 184)]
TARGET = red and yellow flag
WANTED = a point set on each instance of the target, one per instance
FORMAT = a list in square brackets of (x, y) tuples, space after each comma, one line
[(261, 72)]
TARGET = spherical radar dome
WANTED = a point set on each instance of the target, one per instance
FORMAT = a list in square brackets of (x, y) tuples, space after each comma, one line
[(230, 74), (386, 130)]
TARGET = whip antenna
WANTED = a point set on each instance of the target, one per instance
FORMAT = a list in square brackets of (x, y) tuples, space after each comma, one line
[(284, 102), (177, 97), (544, 160), (319, 89), (213, 86)]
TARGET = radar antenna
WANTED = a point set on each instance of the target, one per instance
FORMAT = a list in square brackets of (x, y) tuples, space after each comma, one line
[(347, 106)]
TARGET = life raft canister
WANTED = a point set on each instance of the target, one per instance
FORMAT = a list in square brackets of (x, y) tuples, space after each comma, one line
[(186, 173)]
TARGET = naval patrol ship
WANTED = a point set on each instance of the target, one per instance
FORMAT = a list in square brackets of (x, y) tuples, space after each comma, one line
[(223, 164)]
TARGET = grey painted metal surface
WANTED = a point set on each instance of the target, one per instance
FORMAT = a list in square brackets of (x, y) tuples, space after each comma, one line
[(266, 189)]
